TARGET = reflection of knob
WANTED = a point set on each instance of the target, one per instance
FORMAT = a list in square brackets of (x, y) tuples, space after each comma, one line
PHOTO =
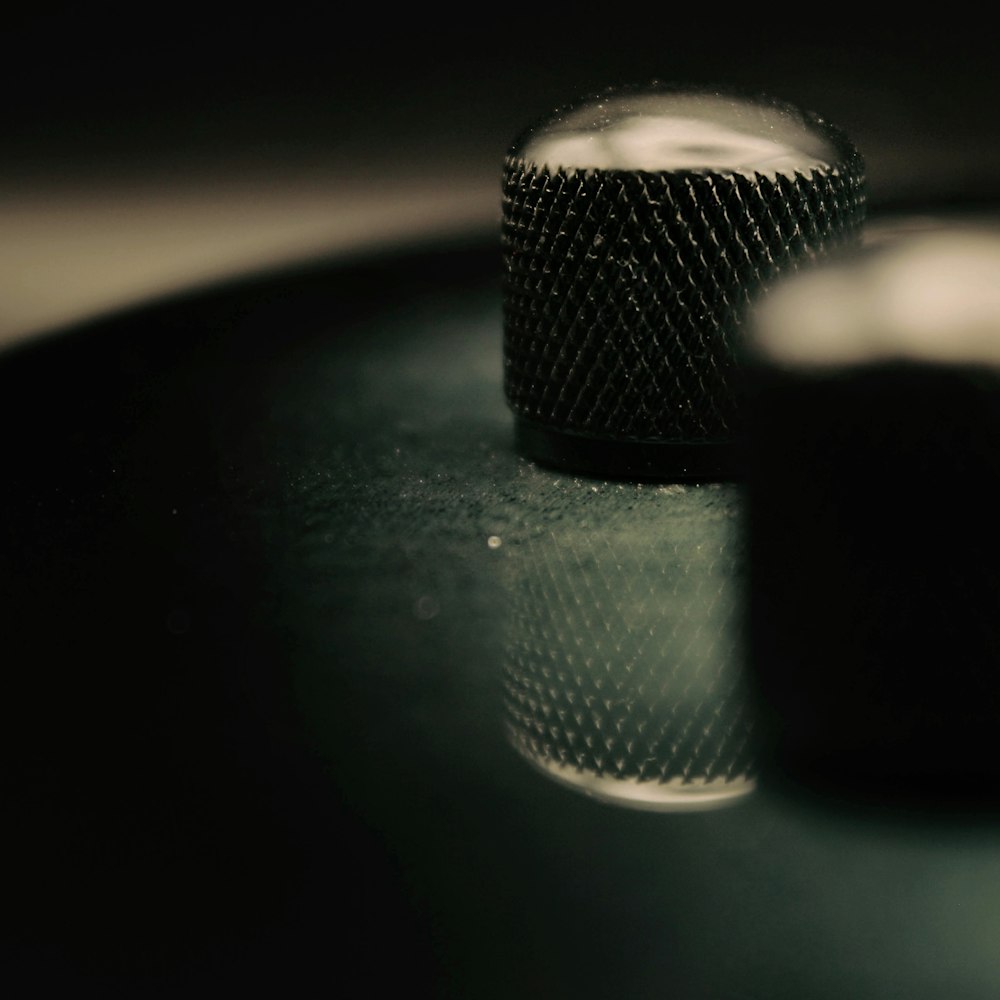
[(875, 520), (622, 674), (636, 228)]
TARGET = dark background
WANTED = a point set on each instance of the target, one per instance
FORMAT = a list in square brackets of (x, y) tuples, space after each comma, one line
[(151, 150), (445, 88)]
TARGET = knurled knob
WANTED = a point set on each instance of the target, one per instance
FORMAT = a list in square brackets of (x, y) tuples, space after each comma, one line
[(637, 227)]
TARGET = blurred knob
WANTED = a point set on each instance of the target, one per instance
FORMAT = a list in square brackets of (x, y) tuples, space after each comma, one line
[(874, 521), (637, 227)]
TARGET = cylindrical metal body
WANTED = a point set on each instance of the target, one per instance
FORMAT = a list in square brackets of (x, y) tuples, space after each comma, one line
[(637, 228)]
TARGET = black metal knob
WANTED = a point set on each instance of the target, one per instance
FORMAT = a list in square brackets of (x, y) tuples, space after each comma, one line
[(874, 522), (637, 227)]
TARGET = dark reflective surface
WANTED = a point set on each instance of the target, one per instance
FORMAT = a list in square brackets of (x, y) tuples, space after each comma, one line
[(255, 637), (623, 670)]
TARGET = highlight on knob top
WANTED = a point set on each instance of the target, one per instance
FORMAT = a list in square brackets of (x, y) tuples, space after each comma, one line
[(681, 131), (638, 225)]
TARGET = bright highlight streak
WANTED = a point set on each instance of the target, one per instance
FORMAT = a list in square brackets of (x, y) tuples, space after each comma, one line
[(656, 132)]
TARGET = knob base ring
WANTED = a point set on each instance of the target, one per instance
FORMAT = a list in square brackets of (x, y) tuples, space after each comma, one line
[(647, 460)]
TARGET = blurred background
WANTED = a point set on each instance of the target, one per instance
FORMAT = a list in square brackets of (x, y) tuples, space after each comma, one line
[(283, 519), (148, 150)]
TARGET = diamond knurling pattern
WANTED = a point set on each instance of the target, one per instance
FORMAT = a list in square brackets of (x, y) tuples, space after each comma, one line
[(624, 292), (624, 661)]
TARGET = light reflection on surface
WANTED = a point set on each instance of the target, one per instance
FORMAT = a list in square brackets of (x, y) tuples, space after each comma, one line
[(70, 252), (622, 670), (680, 131)]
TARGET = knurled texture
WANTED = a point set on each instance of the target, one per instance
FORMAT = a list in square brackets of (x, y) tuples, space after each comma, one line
[(625, 292), (624, 660)]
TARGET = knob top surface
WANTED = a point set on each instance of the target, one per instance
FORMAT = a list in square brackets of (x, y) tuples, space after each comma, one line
[(677, 129)]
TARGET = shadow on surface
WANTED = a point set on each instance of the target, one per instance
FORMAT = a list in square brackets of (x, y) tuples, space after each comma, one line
[(172, 831)]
